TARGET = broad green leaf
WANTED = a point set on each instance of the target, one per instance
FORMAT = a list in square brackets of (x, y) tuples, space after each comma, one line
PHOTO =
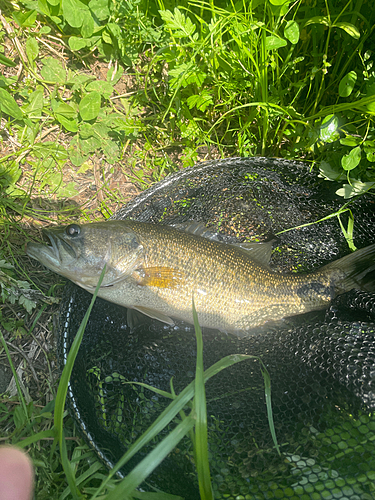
[(54, 2), (9, 106), (6, 82), (279, 2), (69, 124), (279, 10), (85, 167), (44, 9), (100, 9), (53, 180), (328, 129), (25, 19), (35, 106), (200, 101), (68, 191), (186, 74), (177, 22), (85, 131), (274, 42), (318, 20), (291, 32), (65, 110), (67, 116), (352, 159), (111, 150), (369, 147), (351, 141), (347, 84), (32, 49), (114, 78), (56, 20), (87, 28), (89, 106), (115, 29), (354, 189), (119, 122), (106, 36), (75, 12), (77, 43), (349, 28), (89, 145), (52, 71), (44, 30), (329, 172), (7, 62), (78, 80), (100, 131), (101, 86), (76, 155)]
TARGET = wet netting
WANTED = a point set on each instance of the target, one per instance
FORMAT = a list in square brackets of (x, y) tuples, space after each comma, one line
[(322, 364)]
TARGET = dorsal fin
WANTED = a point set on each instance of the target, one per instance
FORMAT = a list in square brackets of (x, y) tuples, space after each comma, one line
[(197, 228), (259, 252)]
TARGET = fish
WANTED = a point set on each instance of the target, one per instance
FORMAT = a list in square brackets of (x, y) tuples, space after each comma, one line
[(158, 270)]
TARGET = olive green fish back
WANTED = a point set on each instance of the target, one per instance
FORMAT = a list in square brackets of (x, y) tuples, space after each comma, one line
[(322, 365)]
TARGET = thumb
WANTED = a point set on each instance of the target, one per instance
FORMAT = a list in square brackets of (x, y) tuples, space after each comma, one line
[(16, 474)]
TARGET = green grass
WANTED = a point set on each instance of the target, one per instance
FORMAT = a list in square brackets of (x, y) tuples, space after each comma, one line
[(173, 85), (194, 424)]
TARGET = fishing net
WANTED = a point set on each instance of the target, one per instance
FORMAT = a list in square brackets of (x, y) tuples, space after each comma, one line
[(321, 365)]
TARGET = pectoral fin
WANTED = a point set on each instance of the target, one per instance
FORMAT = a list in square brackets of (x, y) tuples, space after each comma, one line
[(152, 313), (161, 277)]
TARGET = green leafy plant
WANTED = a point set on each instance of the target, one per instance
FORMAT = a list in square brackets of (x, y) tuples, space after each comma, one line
[(115, 29)]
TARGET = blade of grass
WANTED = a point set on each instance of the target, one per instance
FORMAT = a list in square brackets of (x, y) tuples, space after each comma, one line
[(267, 393), (62, 392), (348, 234), (170, 412), (201, 434), (83, 477), (175, 407), (142, 495), (19, 391), (24, 443), (148, 464)]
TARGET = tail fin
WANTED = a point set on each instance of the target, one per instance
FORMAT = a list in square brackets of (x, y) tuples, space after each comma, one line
[(356, 270)]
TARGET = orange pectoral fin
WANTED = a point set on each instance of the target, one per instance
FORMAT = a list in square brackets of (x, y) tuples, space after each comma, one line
[(161, 277)]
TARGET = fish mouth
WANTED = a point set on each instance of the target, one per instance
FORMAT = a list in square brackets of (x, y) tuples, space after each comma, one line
[(50, 255)]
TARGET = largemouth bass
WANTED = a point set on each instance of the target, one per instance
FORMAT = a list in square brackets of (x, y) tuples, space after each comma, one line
[(158, 269)]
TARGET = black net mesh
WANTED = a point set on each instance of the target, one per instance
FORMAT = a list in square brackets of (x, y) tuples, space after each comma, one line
[(322, 364)]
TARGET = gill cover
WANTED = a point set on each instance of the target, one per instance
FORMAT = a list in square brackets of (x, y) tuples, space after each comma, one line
[(79, 252)]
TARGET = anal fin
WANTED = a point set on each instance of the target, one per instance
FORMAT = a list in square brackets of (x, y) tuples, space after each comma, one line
[(152, 313)]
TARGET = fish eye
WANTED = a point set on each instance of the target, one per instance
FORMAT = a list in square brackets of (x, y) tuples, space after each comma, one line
[(73, 230)]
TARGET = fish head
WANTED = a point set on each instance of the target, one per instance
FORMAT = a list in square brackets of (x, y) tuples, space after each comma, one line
[(79, 252)]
